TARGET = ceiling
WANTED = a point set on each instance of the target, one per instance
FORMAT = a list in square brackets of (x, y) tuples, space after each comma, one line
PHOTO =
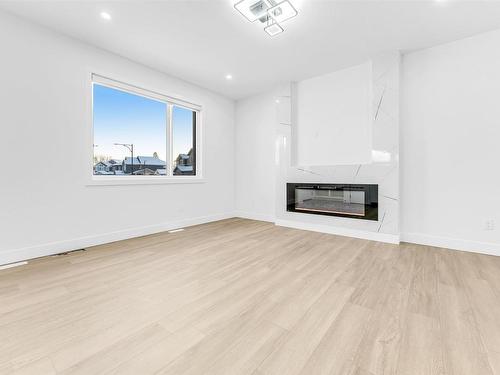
[(201, 41)]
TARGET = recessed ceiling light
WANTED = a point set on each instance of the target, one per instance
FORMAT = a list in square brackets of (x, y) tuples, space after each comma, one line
[(105, 16), (282, 12), (273, 29), (229, 77)]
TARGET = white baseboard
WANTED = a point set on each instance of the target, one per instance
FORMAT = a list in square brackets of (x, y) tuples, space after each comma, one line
[(253, 216), (21, 254), (452, 243), (372, 236)]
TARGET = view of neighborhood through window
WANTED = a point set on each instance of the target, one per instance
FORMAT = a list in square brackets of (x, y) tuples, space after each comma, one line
[(130, 135), (183, 140)]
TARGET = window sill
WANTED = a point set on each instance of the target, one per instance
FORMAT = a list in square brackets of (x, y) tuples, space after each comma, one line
[(110, 181)]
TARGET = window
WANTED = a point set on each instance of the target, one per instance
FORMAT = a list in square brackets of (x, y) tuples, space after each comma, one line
[(141, 133), (184, 140)]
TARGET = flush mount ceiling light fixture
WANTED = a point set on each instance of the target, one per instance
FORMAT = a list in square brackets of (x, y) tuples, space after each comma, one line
[(273, 29), (253, 10), (282, 12), (270, 12)]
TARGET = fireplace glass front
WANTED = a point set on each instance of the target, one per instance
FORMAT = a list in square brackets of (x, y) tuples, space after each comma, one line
[(345, 200)]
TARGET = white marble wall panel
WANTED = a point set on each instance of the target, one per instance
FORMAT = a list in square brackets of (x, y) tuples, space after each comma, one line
[(383, 170)]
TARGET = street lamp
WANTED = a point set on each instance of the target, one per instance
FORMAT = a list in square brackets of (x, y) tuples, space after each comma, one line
[(130, 147)]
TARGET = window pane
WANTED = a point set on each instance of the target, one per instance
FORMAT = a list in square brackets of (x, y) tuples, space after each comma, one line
[(183, 137), (129, 133)]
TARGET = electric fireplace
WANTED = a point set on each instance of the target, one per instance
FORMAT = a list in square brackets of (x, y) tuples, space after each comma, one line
[(357, 201)]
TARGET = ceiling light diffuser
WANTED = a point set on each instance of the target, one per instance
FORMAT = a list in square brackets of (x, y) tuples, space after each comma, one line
[(252, 10), (282, 12), (273, 29), (105, 16)]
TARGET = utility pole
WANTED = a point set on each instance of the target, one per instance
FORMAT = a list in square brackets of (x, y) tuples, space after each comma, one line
[(130, 147)]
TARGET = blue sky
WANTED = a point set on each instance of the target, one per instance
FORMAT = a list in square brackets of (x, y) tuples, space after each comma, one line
[(120, 117)]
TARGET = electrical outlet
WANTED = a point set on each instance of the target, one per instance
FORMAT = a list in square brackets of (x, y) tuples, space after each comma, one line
[(489, 225)]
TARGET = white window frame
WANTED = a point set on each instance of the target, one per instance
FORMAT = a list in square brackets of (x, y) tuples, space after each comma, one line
[(170, 103)]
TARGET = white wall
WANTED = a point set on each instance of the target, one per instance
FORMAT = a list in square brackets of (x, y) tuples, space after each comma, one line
[(450, 162), (334, 118), (255, 158), (45, 205)]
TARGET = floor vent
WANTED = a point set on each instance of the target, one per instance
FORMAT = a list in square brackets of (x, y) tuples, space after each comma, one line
[(68, 252), (176, 230)]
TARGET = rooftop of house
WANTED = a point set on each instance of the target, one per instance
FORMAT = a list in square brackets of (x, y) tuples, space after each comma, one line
[(145, 160), (110, 162), (185, 168)]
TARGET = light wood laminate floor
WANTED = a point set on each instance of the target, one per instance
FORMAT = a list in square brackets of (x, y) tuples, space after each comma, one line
[(246, 297)]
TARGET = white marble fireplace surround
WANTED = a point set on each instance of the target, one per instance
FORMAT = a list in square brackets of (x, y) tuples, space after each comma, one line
[(383, 169)]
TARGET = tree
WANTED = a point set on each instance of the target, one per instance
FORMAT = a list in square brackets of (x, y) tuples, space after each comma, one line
[(155, 155), (98, 158)]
